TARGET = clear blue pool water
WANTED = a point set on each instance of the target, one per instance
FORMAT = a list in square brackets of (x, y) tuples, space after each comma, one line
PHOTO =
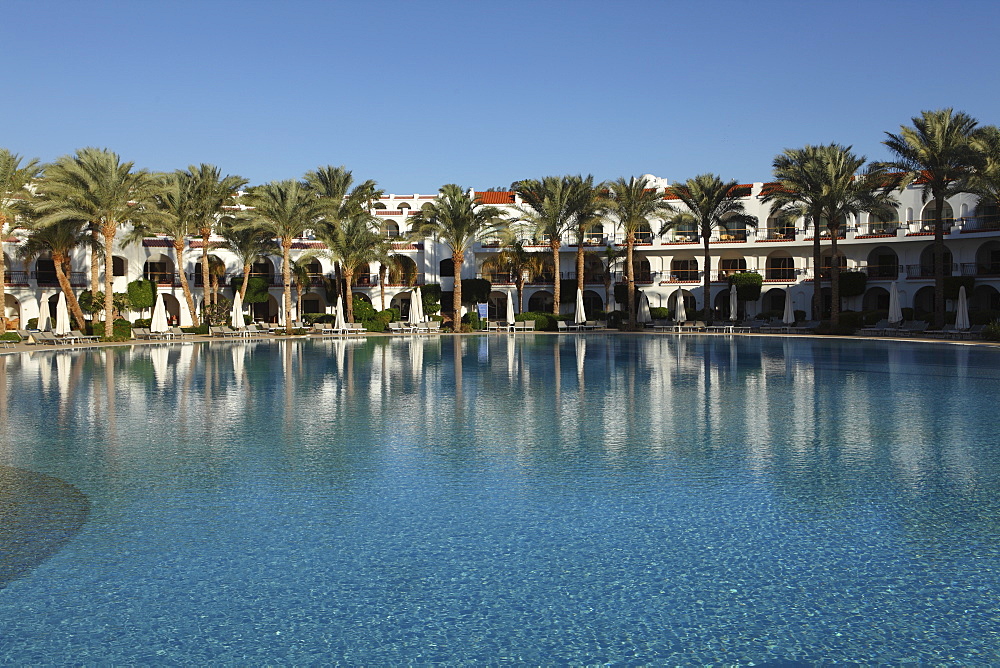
[(541, 500)]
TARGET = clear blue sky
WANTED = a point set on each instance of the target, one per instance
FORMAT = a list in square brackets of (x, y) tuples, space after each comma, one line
[(418, 94)]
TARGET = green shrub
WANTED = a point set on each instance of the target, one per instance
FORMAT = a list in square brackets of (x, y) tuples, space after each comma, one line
[(659, 312), (852, 320), (748, 285), (953, 283), (32, 323), (431, 294), (142, 322), (141, 294), (983, 317), (543, 321), (991, 332), (10, 336), (122, 330), (257, 289), (852, 283), (200, 329), (476, 290), (473, 320)]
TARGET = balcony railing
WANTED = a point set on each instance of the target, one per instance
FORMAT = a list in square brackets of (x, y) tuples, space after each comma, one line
[(777, 234), (48, 278), (15, 278), (881, 272), (981, 224)]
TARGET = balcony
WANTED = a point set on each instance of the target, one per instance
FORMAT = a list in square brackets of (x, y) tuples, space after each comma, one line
[(48, 278), (881, 272), (15, 278), (777, 234), (981, 224)]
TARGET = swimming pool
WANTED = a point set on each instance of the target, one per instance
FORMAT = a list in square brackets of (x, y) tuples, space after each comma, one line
[(533, 499)]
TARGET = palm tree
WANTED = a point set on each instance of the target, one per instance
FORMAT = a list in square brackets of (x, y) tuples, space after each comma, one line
[(175, 203), (798, 189), (591, 205), (301, 278), (986, 180), (59, 240), (711, 203), (248, 244), (552, 207), (635, 204), (355, 243), (939, 153), (516, 261), (204, 196), (285, 209), (846, 191), (14, 182), (610, 257), (96, 186), (458, 219)]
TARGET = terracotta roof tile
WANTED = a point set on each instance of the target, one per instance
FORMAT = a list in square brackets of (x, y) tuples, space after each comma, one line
[(496, 197)]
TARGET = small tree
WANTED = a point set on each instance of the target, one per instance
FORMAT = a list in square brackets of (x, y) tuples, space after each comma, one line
[(141, 294)]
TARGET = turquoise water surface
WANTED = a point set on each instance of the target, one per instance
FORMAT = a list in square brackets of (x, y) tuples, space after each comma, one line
[(537, 499)]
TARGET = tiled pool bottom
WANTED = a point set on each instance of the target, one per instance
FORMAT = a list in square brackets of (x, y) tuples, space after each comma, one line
[(538, 512)]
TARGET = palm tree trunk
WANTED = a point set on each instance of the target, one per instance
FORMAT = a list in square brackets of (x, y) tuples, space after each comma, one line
[(938, 261), (382, 270), (349, 295), (286, 279), (834, 280), (707, 290), (630, 278), (109, 231), (579, 262), (457, 258), (817, 299), (298, 301), (246, 281), (519, 287), (556, 277), (179, 254), (95, 269), (3, 279), (206, 294), (60, 260)]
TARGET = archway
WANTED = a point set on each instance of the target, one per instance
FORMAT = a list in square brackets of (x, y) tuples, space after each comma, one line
[(732, 230), (313, 302), (173, 308), (988, 259), (540, 302), (159, 269), (12, 311), (266, 311), (927, 261), (927, 217), (212, 260), (984, 298), (45, 270), (684, 270), (690, 303), (721, 304), (826, 262), (779, 266), (731, 263), (391, 229), (774, 300), (401, 302), (403, 271), (883, 263), (496, 305), (923, 302), (592, 302), (875, 299)]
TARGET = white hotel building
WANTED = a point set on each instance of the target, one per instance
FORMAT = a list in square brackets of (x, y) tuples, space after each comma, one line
[(887, 250)]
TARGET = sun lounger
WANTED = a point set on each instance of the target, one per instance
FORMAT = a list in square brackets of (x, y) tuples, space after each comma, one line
[(563, 326), (224, 332), (524, 325), (179, 333), (84, 338), (914, 328), (47, 338), (876, 329)]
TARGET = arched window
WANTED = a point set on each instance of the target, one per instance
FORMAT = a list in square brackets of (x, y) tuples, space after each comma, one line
[(391, 229), (446, 268), (731, 265), (119, 266), (988, 259), (927, 262), (684, 270), (883, 264), (779, 267), (540, 302), (927, 217)]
